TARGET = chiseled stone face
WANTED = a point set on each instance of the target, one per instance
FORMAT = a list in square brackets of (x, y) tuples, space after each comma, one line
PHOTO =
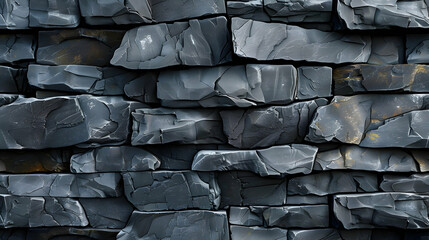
[(107, 212), (415, 183), (17, 47), (311, 216), (54, 13), (299, 10), (13, 80)]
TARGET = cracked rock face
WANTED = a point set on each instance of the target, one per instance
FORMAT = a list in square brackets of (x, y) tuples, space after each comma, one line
[(332, 182), (299, 10), (196, 42), (168, 190), (14, 14), (21, 161), (54, 13), (277, 41), (314, 82), (246, 216), (249, 9), (16, 47), (387, 50), (297, 216), (107, 212), (176, 225), (273, 161), (142, 88), (13, 80), (417, 48), (114, 159), (380, 210), (257, 233), (416, 183), (263, 127)]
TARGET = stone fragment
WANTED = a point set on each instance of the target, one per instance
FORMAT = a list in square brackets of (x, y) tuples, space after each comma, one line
[(54, 13), (417, 50), (381, 210), (78, 46), (107, 212), (299, 10), (314, 82), (273, 161), (40, 212), (277, 41), (97, 185), (14, 14), (246, 216), (306, 199), (332, 182), (203, 42), (415, 183), (12, 80), (257, 233), (422, 158), (16, 47), (168, 190), (114, 159), (64, 233), (387, 50), (263, 127), (142, 88), (176, 225), (184, 126), (249, 189), (311, 216), (22, 161), (249, 9)]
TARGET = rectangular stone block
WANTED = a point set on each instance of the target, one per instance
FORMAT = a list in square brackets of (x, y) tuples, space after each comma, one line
[(54, 13), (257, 233), (249, 9), (14, 14), (246, 216), (16, 47), (107, 212), (299, 10), (22, 161), (314, 82), (311, 216), (13, 80), (415, 183), (387, 49), (417, 50)]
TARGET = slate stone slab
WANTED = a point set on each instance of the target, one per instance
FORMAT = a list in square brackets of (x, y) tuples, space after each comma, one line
[(277, 41), (142, 88), (97, 185), (314, 82), (381, 210), (387, 49), (273, 161), (14, 14), (177, 225), (16, 47), (257, 233), (12, 80), (299, 10), (297, 216), (184, 126), (54, 13), (78, 46), (325, 183), (168, 190), (263, 127), (107, 212), (228, 86), (417, 48), (195, 43), (40, 212), (415, 183), (246, 216), (249, 9), (248, 189), (113, 159), (22, 161), (306, 199)]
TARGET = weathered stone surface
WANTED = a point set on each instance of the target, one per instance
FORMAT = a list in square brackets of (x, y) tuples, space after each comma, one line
[(64, 233), (185, 126), (276, 41), (363, 15), (380, 210), (299, 10), (21, 161), (415, 183), (273, 161), (314, 82), (250, 9), (306, 199), (78, 46), (16, 47), (40, 212), (357, 158), (168, 190), (315, 234), (54, 13), (311, 216), (143, 88), (97, 185), (247, 189), (14, 14), (340, 234), (196, 42), (387, 50), (107, 212), (246, 216), (176, 225), (12, 80), (114, 159), (417, 48), (226, 86), (325, 183), (263, 127), (257, 233)]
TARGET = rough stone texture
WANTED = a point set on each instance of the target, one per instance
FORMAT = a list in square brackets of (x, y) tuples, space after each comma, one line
[(14, 14), (226, 86), (107, 212), (263, 127), (21, 161), (416, 183), (276, 41), (13, 80), (176, 225), (78, 46), (380, 210), (306, 199), (40, 212), (273, 161), (246, 216), (297, 216), (248, 189), (257, 233), (387, 50), (417, 48), (332, 182), (363, 15), (114, 159), (299, 10), (196, 42), (250, 9), (185, 126), (16, 47), (168, 190), (54, 13), (143, 88), (314, 82)]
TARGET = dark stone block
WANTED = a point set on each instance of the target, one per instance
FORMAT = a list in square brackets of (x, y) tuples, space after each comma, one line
[(107, 212), (12, 80), (54, 13), (257, 233), (21, 161), (16, 47), (311, 216)]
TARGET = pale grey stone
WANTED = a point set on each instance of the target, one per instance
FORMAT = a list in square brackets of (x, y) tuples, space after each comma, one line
[(107, 212), (12, 80), (309, 216), (14, 14), (314, 82), (299, 10), (54, 13), (257, 233), (16, 47), (246, 216), (250, 9), (415, 183)]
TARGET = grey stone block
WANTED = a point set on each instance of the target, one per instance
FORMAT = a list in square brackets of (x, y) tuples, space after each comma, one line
[(16, 47), (306, 199), (263, 127), (415, 183), (314, 82), (69, 233), (168, 190), (21, 161), (12, 80), (250, 9), (332, 182), (299, 10), (417, 48), (311, 216), (40, 212), (14, 14), (176, 225), (184, 126), (277, 41), (381, 210), (196, 42), (273, 161), (107, 212), (257, 233), (78, 46), (114, 159), (246, 216), (387, 50), (54, 13), (314, 234), (143, 88), (341, 234)]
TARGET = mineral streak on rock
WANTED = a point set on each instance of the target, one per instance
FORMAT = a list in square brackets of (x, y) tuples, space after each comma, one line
[(277, 41), (14, 14), (387, 50), (107, 212), (257, 233), (196, 42), (54, 13), (314, 82), (264, 127), (21, 161), (332, 182), (250, 9), (176, 225), (311, 216), (273, 161), (168, 190), (299, 10), (417, 48), (184, 126), (114, 159), (415, 183), (13, 80), (382, 210), (16, 47), (78, 46)]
